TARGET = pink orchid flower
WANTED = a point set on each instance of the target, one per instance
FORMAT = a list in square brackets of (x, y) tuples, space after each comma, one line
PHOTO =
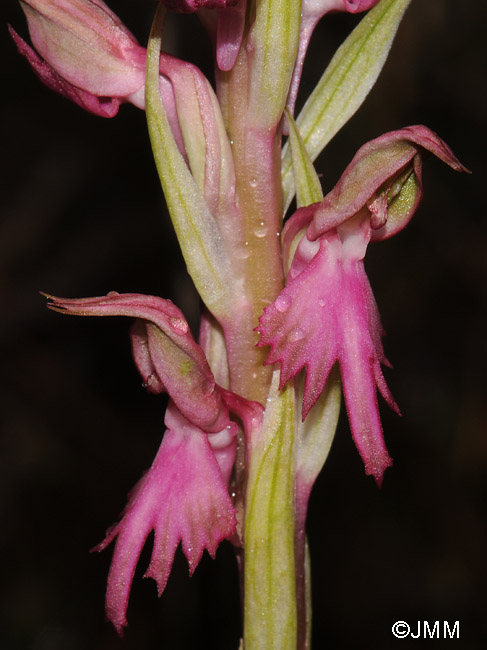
[(184, 496), (84, 52), (327, 313)]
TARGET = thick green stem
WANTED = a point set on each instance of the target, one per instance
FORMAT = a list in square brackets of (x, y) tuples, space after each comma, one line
[(270, 611)]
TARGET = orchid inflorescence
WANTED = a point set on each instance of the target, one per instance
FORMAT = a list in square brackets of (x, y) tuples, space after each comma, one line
[(247, 431)]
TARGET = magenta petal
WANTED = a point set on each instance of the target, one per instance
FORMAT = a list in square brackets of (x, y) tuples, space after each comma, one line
[(183, 498)]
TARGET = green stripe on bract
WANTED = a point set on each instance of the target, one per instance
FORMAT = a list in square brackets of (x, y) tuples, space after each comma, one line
[(196, 229), (308, 186), (270, 597), (274, 44), (345, 83)]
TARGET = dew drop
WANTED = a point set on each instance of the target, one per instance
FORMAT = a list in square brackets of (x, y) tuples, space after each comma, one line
[(321, 302), (244, 252), (297, 335), (261, 230), (179, 325), (112, 294), (282, 303), (253, 183)]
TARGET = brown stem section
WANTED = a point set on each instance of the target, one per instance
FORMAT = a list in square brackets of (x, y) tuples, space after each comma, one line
[(257, 159)]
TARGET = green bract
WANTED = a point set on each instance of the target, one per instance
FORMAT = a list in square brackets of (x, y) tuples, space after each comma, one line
[(269, 529), (197, 230), (345, 83), (273, 42), (308, 186)]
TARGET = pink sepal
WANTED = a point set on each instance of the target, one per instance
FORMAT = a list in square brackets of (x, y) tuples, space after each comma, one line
[(102, 106), (86, 44), (85, 53), (374, 170), (165, 353), (183, 498)]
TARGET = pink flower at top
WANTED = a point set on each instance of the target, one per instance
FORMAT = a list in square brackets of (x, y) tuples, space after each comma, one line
[(327, 313), (84, 52)]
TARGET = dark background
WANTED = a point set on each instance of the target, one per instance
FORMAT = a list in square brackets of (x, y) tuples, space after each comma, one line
[(82, 215)]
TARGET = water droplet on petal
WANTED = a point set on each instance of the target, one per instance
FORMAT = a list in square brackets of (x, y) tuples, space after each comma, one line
[(322, 302), (253, 183), (112, 294), (179, 325), (297, 335), (282, 303)]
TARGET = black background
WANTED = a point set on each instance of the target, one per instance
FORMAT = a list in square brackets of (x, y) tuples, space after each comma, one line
[(82, 215)]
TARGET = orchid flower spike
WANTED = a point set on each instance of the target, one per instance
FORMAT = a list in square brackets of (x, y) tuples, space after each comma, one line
[(327, 313)]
